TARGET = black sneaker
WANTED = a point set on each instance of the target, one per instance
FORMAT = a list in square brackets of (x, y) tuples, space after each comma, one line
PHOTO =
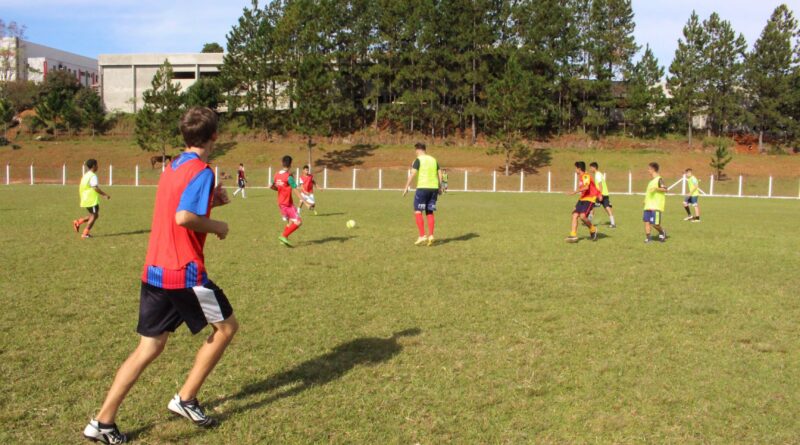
[(593, 236), (192, 411), (663, 236), (106, 434)]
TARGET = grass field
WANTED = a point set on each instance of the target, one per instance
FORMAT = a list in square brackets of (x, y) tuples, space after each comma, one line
[(500, 333)]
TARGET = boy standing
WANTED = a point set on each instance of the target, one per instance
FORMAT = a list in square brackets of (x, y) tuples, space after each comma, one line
[(427, 193), (175, 285), (588, 191), (241, 182), (600, 183), (694, 195), (307, 184), (444, 180), (655, 199), (90, 193), (284, 184)]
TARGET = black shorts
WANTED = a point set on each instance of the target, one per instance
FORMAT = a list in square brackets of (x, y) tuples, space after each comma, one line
[(606, 202), (583, 207), (163, 310), (242, 183), (94, 210), (425, 200)]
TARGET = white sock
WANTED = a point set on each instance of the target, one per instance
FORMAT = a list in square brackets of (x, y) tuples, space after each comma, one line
[(237, 191), (612, 221), (243, 195)]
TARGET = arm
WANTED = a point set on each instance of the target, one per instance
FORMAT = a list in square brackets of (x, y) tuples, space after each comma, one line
[(202, 224), (441, 183), (408, 183), (101, 193), (662, 187)]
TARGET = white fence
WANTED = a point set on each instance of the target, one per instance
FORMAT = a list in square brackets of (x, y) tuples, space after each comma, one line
[(394, 179)]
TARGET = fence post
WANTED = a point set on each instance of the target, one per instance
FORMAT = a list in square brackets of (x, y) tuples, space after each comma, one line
[(297, 172), (740, 185), (769, 192), (64, 174), (630, 183), (216, 175), (32, 174), (494, 181), (324, 178), (163, 165), (8, 174), (522, 181), (269, 177), (711, 186), (549, 181), (83, 169), (380, 179), (574, 182), (466, 176), (110, 175), (137, 175), (683, 185), (354, 178)]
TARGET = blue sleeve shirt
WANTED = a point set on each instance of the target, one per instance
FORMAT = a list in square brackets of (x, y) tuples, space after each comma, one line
[(195, 197)]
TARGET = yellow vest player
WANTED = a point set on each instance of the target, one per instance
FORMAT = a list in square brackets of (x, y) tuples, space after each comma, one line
[(429, 187), (90, 193)]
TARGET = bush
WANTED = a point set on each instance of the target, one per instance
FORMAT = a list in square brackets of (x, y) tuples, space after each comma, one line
[(719, 141)]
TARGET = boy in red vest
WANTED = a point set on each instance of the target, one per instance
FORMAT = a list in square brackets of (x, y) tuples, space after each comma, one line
[(589, 194), (175, 285), (284, 183)]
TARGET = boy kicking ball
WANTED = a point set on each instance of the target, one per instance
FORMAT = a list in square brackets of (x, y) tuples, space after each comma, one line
[(655, 199), (175, 286), (589, 193), (90, 193), (284, 184)]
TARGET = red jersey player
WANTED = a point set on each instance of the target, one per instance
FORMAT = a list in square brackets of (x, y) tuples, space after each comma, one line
[(284, 184), (307, 184), (589, 194)]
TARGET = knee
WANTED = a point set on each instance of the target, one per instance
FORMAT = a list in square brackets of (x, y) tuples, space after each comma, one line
[(227, 329)]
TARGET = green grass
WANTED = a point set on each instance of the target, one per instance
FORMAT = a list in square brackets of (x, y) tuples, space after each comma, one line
[(511, 335)]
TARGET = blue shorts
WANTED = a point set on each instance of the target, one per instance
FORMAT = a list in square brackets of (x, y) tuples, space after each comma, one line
[(583, 208), (425, 200), (691, 200), (652, 216)]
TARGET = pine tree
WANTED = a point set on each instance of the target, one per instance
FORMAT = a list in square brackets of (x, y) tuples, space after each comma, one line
[(645, 95), (92, 112), (768, 73), (156, 123), (686, 74), (314, 105), (723, 69), (6, 114)]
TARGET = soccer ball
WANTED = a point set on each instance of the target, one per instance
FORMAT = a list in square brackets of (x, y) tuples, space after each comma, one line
[(351, 224)]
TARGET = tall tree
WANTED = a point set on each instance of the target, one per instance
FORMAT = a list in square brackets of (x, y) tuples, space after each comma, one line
[(91, 111), (156, 123), (212, 47), (314, 104), (686, 73), (645, 94), (6, 114), (722, 71), (768, 74)]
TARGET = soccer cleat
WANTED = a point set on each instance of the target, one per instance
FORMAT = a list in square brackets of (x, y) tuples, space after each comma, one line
[(647, 240), (421, 240), (612, 226), (111, 435), (593, 236), (663, 236), (285, 241), (696, 219), (430, 240), (86, 236), (688, 218), (192, 411), (571, 239), (77, 226)]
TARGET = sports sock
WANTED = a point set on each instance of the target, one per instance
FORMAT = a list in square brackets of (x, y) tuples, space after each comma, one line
[(573, 233), (85, 231), (612, 221), (105, 426), (289, 230), (243, 195), (431, 223), (592, 228), (688, 212), (420, 224)]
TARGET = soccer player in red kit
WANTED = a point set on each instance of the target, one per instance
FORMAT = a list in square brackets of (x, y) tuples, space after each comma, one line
[(589, 194), (307, 184), (285, 185)]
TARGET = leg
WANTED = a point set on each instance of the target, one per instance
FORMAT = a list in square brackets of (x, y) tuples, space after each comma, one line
[(149, 348), (574, 230), (647, 230), (420, 223), (208, 356), (237, 191), (610, 212), (697, 211), (431, 222), (92, 218)]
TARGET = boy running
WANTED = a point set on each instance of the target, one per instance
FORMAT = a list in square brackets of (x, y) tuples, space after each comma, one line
[(241, 182), (694, 195), (90, 193), (605, 201), (588, 191), (175, 286), (428, 190), (284, 184), (307, 184), (654, 201), (444, 180)]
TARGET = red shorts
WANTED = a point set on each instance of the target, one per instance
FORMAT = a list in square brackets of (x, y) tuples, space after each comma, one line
[(289, 212)]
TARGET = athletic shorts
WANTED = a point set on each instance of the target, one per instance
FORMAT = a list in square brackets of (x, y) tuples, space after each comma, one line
[(691, 200), (242, 183), (289, 212), (444, 185), (94, 210), (606, 202), (425, 200), (308, 197), (583, 207), (652, 216), (163, 310)]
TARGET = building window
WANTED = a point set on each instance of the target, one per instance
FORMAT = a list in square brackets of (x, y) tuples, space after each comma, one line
[(184, 74), (209, 74)]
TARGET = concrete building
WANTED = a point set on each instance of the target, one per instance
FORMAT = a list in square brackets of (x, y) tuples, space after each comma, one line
[(23, 60), (124, 77)]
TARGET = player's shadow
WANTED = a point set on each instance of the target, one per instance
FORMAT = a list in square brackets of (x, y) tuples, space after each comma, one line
[(330, 239), (465, 237), (134, 232), (318, 371)]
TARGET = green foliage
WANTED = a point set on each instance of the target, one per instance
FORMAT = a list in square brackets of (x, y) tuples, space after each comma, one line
[(722, 73), (645, 96), (721, 159), (6, 113), (89, 105), (203, 93), (21, 94), (212, 47), (157, 121), (686, 74)]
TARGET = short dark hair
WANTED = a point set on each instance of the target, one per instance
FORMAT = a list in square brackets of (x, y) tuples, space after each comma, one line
[(305, 167), (687, 170), (420, 146), (286, 161), (594, 164), (241, 165), (654, 166), (198, 125), (581, 165), (91, 163)]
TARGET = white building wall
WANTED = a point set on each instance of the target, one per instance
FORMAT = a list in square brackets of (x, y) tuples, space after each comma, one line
[(33, 62)]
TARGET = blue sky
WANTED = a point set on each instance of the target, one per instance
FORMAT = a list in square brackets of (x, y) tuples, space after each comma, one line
[(92, 27)]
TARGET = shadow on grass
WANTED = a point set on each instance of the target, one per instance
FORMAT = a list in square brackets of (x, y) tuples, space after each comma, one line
[(465, 237), (351, 157), (318, 371), (220, 148), (330, 239), (134, 232), (324, 215)]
